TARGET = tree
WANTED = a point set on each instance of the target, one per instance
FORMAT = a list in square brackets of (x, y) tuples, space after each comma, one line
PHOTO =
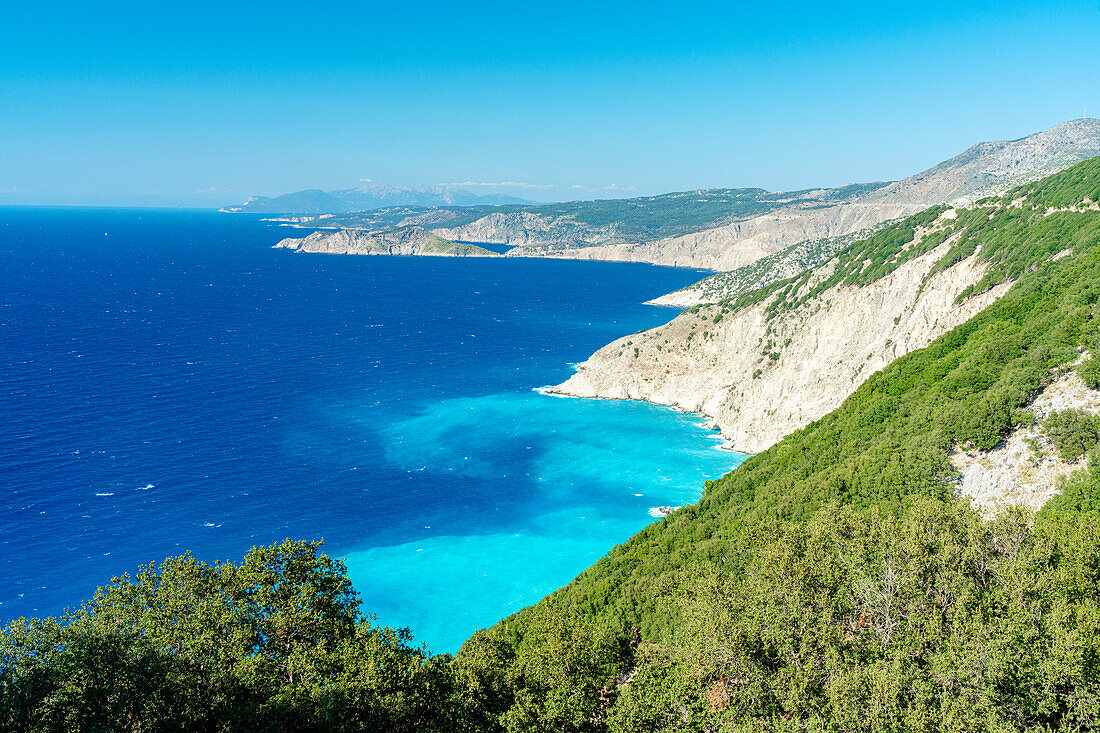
[(275, 643)]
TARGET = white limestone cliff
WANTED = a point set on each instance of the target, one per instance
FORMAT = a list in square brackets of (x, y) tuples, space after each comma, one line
[(759, 377)]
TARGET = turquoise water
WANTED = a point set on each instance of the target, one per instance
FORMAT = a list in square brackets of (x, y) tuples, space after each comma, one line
[(598, 468), (170, 383)]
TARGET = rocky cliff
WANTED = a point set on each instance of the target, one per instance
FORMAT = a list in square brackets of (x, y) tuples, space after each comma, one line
[(985, 169), (404, 241), (762, 371)]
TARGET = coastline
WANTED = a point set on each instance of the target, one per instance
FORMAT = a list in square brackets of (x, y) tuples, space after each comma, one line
[(706, 422)]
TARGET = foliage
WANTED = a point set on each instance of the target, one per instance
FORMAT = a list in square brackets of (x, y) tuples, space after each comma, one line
[(1080, 492), (869, 621), (275, 643), (1073, 432), (1089, 371), (789, 262)]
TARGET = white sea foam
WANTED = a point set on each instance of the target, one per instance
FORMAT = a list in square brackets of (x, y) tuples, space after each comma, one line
[(548, 392), (146, 487), (105, 493)]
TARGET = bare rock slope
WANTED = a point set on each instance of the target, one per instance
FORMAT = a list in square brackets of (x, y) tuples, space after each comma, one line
[(1025, 469), (404, 241), (985, 169), (761, 372)]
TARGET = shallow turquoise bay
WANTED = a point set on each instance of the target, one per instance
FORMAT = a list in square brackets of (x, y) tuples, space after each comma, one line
[(595, 470)]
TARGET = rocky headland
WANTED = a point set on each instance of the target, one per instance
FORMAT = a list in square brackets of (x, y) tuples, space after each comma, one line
[(404, 241), (759, 372)]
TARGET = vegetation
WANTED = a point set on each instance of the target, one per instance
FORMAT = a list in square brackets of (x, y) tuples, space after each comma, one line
[(459, 249), (934, 620), (1013, 235), (792, 261), (640, 219), (1089, 372), (1073, 432), (831, 582), (275, 643)]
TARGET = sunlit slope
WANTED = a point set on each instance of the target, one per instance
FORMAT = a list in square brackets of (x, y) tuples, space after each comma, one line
[(890, 440)]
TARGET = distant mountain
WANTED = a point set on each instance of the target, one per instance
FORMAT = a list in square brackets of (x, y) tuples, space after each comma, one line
[(727, 230), (718, 229), (990, 168), (369, 197)]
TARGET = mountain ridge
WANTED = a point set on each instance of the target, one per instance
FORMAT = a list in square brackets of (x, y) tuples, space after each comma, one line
[(369, 196), (727, 229)]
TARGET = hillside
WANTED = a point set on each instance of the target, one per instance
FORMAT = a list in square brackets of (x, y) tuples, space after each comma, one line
[(991, 168), (770, 362), (727, 229), (404, 241), (838, 580), (831, 579), (573, 224), (986, 169)]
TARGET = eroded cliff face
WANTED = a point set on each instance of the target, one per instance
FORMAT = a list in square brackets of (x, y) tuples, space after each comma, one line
[(760, 377), (405, 241), (530, 231), (742, 243)]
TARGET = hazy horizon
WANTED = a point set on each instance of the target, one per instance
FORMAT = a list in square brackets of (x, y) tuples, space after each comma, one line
[(205, 106)]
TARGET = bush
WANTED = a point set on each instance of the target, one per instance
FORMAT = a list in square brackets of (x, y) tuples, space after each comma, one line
[(932, 621), (1090, 372), (1073, 432), (277, 641)]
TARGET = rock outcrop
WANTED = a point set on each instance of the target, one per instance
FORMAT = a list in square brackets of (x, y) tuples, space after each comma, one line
[(1025, 469), (761, 374), (404, 241), (983, 170)]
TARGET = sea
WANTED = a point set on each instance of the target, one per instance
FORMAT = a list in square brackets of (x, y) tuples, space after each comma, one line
[(170, 383)]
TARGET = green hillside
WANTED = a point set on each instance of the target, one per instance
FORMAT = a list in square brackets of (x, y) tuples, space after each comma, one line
[(884, 453), (640, 219), (832, 582)]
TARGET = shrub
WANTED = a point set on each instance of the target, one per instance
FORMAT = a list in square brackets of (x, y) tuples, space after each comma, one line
[(1073, 432), (1090, 372)]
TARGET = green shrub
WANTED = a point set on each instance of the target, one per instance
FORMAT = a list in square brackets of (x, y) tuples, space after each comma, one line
[(277, 641), (1073, 432), (1090, 372)]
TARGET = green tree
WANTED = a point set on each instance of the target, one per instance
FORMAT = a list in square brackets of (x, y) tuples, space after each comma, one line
[(274, 643), (1073, 432)]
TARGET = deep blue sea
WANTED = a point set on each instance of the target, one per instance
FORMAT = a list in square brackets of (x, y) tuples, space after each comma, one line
[(169, 382)]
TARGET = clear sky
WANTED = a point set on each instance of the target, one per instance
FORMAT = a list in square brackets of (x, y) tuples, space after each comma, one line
[(202, 104)]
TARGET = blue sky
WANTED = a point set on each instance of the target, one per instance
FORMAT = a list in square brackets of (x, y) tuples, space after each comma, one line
[(202, 104)]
